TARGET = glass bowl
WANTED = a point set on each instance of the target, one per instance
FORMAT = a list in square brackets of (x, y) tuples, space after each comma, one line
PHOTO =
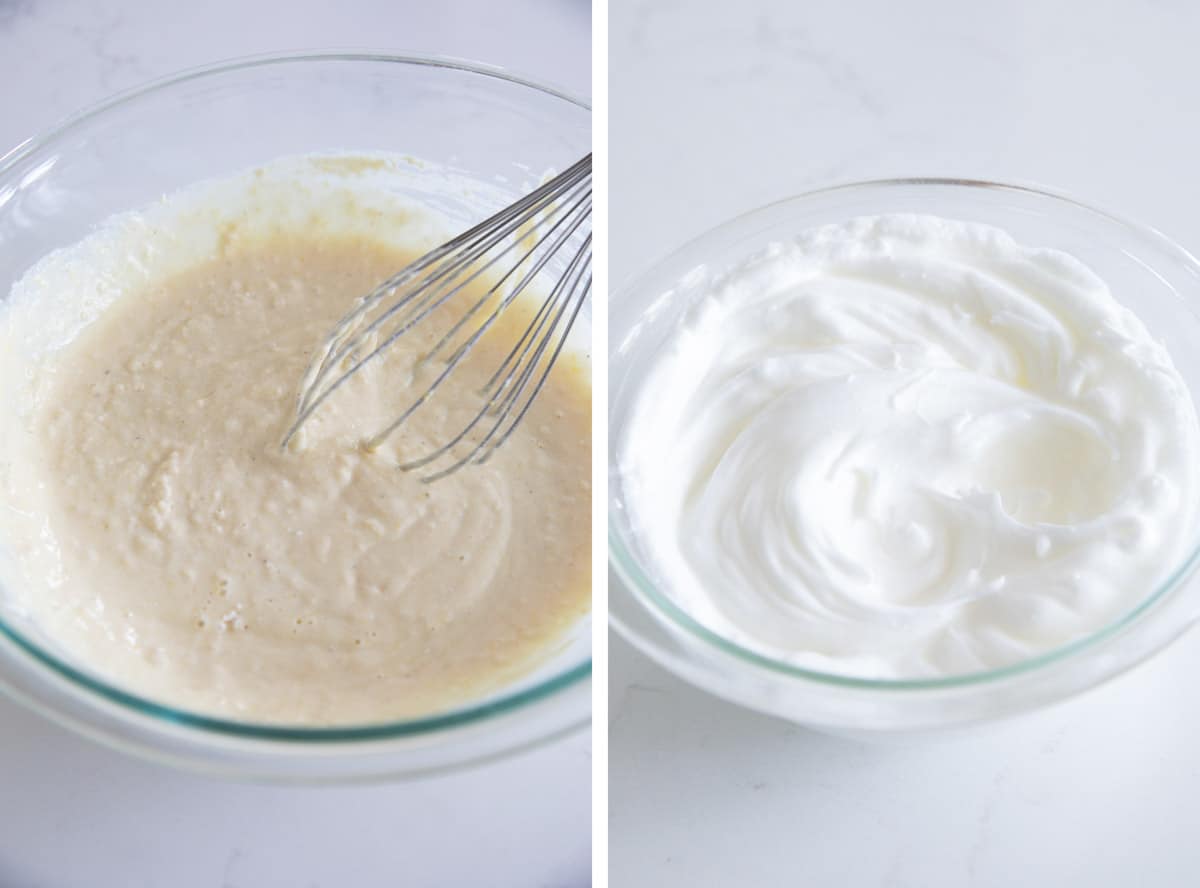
[(1150, 274), (483, 124)]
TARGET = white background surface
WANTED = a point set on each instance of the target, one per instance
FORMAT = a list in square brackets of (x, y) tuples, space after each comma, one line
[(72, 814), (719, 107)]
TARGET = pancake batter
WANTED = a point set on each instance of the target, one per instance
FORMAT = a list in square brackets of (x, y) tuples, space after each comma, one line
[(177, 551)]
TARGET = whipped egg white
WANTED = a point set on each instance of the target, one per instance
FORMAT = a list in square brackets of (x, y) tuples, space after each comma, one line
[(906, 446)]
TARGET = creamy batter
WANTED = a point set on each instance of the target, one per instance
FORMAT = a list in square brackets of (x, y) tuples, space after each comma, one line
[(171, 545), (906, 446)]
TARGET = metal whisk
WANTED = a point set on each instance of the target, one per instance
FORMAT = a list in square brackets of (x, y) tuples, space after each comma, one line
[(516, 245)]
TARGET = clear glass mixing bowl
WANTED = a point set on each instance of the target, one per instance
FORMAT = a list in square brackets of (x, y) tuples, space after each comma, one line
[(482, 123), (1150, 274)]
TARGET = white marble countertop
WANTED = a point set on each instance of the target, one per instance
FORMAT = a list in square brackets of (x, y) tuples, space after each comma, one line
[(720, 107), (73, 815)]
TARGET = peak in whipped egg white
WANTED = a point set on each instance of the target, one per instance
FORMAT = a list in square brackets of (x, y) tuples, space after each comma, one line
[(906, 446)]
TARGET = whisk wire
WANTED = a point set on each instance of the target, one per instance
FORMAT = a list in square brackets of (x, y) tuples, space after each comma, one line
[(539, 197), (461, 352), (572, 219), (516, 391), (346, 339), (503, 410), (557, 214)]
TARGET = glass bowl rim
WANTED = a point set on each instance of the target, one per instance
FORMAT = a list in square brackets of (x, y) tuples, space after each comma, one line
[(258, 60), (628, 566), (139, 705)]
